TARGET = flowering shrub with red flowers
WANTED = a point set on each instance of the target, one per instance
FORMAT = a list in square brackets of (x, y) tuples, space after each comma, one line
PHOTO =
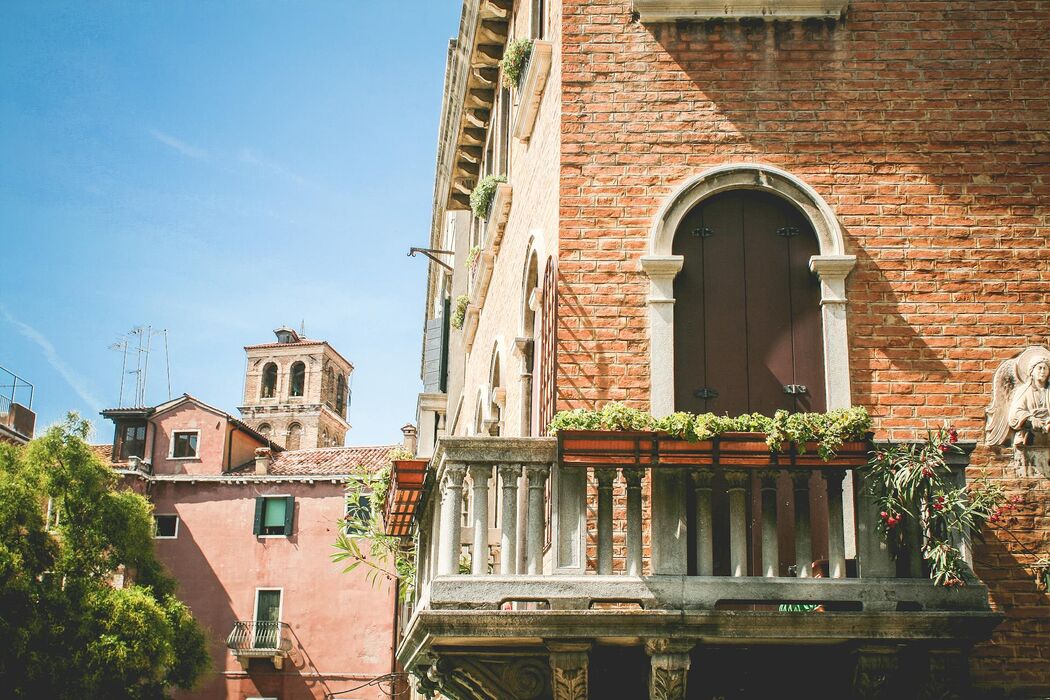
[(917, 495)]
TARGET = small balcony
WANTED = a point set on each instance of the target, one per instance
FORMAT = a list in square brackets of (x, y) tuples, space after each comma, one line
[(577, 549), (17, 419), (256, 639)]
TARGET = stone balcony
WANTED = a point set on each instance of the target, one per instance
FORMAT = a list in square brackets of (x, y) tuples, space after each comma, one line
[(573, 564)]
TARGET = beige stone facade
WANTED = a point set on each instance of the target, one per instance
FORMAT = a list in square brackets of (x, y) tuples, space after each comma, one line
[(296, 391)]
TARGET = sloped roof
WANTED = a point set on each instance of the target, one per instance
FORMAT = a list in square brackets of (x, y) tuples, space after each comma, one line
[(103, 452), (330, 460)]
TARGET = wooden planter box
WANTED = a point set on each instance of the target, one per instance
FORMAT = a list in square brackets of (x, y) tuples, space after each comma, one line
[(598, 448)]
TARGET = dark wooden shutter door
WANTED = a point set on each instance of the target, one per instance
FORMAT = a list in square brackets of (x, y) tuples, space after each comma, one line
[(747, 308), (289, 513), (257, 527)]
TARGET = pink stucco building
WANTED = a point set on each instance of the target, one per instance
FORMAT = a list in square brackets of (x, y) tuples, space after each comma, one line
[(247, 529)]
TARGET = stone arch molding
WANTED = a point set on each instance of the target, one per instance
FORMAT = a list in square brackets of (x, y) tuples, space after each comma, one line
[(831, 266)]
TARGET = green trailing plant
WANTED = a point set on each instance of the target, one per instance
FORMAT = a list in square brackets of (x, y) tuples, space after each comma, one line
[(918, 498), (829, 430), (514, 61), (481, 196), (459, 313), (472, 256), (362, 540)]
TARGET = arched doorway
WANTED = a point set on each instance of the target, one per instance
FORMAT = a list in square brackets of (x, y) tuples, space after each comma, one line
[(747, 316)]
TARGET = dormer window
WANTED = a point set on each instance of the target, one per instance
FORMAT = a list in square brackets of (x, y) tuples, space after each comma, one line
[(131, 441), (184, 444), (269, 381)]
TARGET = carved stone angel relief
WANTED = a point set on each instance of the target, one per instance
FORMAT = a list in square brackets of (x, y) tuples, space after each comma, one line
[(1019, 414)]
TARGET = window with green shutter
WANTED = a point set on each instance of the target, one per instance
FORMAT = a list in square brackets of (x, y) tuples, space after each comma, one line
[(273, 515)]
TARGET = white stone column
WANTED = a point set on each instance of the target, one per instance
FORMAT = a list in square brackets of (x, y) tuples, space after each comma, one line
[(737, 481), (479, 556), (670, 546), (832, 271), (605, 519), (705, 546), (633, 477), (537, 475), (451, 508), (803, 534), (770, 545), (509, 475), (836, 540), (662, 270)]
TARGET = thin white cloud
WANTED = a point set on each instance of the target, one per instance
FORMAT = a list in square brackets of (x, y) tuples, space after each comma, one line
[(75, 381), (181, 146), (257, 160)]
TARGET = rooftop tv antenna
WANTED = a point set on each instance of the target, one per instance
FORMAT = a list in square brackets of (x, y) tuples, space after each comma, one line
[(139, 342)]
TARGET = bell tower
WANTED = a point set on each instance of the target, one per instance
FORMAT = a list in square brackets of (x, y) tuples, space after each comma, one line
[(296, 391)]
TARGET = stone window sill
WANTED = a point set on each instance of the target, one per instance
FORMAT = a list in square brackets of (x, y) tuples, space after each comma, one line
[(531, 90), (675, 10)]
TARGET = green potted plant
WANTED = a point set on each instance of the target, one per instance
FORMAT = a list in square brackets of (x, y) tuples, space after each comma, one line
[(459, 313), (514, 62), (472, 257), (482, 195)]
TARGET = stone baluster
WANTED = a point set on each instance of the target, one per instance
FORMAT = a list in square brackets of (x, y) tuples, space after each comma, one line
[(770, 546), (537, 475), (479, 558), (669, 668), (803, 535), (737, 481), (836, 533), (633, 478), (509, 475), (670, 548), (705, 549), (451, 508), (605, 479)]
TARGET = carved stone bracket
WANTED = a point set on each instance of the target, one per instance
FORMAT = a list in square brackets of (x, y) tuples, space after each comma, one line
[(669, 660), (875, 674), (569, 669), (947, 677), (488, 677)]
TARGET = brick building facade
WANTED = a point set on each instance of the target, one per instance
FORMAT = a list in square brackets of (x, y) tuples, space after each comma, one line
[(910, 137)]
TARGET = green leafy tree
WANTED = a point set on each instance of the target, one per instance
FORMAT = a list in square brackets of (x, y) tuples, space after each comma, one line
[(65, 630)]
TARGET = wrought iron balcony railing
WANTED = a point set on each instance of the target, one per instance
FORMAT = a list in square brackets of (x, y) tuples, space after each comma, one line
[(257, 639)]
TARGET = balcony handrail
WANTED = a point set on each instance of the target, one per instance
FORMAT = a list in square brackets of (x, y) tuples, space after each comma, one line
[(259, 636), (10, 384)]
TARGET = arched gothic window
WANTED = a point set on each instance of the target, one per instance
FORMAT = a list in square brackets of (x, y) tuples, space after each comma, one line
[(297, 385), (265, 429), (340, 395), (295, 437), (269, 381)]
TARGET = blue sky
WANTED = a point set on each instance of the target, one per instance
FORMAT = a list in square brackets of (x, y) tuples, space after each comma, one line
[(216, 169)]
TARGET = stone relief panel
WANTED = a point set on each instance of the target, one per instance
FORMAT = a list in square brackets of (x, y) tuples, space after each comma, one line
[(1019, 414)]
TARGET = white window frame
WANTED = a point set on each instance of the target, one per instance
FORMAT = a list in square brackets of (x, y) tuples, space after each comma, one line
[(166, 515), (171, 446), (261, 536), (255, 605)]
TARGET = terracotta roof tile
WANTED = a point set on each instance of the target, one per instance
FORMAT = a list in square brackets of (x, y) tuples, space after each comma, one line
[(104, 452), (330, 460)]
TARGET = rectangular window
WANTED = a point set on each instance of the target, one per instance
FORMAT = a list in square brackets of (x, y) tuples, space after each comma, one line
[(273, 515), (165, 527), (132, 441), (539, 18), (184, 444)]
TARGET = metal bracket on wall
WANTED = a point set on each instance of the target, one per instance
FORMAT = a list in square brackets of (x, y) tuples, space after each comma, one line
[(795, 389), (788, 231), (430, 253), (705, 393), (703, 232)]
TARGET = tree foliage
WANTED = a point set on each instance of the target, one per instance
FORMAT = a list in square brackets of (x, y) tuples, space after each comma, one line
[(65, 630)]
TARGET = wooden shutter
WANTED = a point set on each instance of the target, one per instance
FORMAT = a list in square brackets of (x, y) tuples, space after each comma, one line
[(257, 527), (747, 308), (289, 513)]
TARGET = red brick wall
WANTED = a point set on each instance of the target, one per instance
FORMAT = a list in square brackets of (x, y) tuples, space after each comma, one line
[(925, 127)]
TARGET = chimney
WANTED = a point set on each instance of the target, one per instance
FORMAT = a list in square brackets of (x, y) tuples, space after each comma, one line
[(409, 442), (263, 459)]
